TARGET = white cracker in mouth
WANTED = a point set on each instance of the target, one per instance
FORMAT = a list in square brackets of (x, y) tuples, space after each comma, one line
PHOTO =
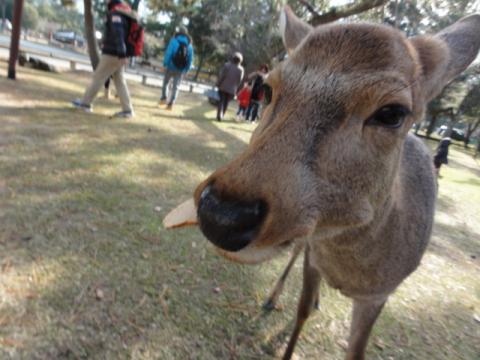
[(184, 214)]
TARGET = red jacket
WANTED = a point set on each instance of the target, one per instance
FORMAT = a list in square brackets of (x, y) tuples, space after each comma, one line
[(243, 97)]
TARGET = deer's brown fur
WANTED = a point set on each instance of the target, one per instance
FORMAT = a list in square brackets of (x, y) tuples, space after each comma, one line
[(361, 196)]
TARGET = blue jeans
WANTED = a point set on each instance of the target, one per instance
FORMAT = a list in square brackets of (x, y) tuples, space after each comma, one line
[(241, 110), (177, 77)]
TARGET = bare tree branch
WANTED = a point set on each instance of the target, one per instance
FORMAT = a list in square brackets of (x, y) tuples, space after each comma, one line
[(336, 13), (310, 8)]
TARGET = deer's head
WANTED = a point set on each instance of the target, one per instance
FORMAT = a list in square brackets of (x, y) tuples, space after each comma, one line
[(326, 154)]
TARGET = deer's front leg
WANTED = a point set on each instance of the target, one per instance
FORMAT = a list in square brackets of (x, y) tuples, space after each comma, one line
[(311, 283), (365, 313), (272, 300)]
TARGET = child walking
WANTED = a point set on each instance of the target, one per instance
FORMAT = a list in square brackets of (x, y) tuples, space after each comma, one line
[(243, 98)]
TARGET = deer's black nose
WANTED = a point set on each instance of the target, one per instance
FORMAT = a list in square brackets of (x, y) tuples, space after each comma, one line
[(229, 223)]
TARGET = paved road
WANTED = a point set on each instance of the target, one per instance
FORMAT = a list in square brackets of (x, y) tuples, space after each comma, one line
[(52, 50)]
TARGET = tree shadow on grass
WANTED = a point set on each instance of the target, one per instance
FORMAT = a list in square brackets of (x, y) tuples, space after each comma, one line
[(117, 279), (206, 125), (240, 129), (471, 181), (36, 88), (427, 329), (108, 280), (458, 243), (149, 278), (125, 137), (457, 165), (445, 203)]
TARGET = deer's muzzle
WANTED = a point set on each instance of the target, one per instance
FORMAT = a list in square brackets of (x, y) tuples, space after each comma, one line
[(229, 223)]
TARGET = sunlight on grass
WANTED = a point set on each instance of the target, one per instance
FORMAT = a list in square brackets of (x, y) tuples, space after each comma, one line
[(87, 270)]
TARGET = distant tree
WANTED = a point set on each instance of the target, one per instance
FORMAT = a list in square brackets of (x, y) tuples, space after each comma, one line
[(45, 10), (153, 26), (469, 109), (472, 125), (181, 7), (245, 26), (446, 104), (69, 18), (220, 27), (420, 16), (442, 13), (100, 11), (30, 17), (3, 9), (203, 35)]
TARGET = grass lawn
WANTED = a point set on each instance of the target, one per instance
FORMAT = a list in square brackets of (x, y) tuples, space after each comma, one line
[(87, 271)]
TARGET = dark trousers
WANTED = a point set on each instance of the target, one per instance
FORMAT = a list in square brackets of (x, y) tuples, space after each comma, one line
[(252, 111), (223, 104)]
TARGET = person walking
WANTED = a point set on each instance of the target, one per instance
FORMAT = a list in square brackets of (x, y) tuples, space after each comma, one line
[(257, 77), (229, 80), (177, 62), (441, 154), (113, 59), (243, 98)]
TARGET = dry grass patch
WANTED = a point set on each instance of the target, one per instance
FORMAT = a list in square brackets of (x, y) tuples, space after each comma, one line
[(87, 271)]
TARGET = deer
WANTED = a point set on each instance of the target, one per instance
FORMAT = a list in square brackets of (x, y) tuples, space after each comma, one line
[(332, 168)]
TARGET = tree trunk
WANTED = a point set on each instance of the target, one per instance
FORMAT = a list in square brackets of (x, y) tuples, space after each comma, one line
[(15, 39), (470, 130), (451, 124), (431, 125), (468, 133), (395, 15), (433, 121), (93, 51)]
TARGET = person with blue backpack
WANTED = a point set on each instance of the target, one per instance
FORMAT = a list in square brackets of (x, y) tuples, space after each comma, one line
[(177, 61)]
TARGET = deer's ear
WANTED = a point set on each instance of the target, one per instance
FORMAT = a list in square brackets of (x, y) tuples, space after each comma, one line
[(293, 29), (446, 54)]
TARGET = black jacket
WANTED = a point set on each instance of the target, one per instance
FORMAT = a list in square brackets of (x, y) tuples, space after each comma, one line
[(116, 31), (441, 154)]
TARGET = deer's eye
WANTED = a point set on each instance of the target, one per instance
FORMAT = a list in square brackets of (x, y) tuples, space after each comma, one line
[(267, 94), (390, 116)]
